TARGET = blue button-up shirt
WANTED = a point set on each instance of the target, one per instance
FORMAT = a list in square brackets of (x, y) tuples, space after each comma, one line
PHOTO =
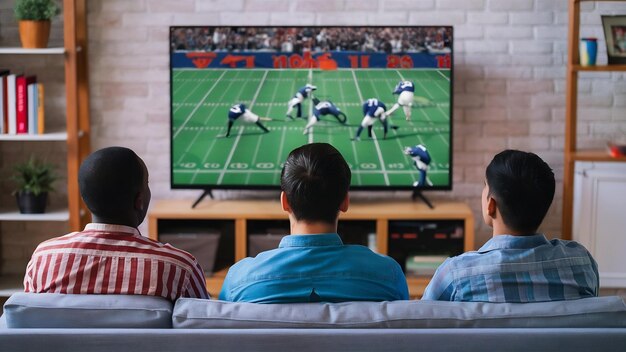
[(315, 268), (517, 269)]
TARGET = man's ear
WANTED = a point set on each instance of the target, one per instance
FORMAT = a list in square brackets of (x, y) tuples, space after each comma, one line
[(139, 201), (284, 203), (345, 203), (492, 207)]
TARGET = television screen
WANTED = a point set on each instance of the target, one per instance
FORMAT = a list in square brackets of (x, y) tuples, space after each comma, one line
[(243, 97)]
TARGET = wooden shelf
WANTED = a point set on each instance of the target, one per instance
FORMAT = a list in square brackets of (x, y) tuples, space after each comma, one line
[(47, 137), (595, 155), (53, 215), (599, 68), (572, 151), (22, 51)]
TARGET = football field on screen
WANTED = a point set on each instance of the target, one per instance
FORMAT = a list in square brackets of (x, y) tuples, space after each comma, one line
[(201, 98)]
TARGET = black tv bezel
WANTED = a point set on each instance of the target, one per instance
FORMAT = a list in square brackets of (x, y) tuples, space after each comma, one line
[(277, 187)]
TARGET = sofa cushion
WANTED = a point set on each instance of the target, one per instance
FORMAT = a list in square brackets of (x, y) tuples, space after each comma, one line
[(55, 310), (588, 312)]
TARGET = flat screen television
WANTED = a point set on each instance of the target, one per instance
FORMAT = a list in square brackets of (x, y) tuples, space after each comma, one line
[(242, 98)]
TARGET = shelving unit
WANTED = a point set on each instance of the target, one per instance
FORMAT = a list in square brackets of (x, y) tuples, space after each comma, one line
[(77, 131), (572, 154), (237, 217)]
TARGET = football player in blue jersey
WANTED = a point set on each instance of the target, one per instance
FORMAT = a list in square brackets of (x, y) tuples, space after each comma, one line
[(240, 111), (421, 160), (321, 108), (405, 91), (298, 98), (373, 109)]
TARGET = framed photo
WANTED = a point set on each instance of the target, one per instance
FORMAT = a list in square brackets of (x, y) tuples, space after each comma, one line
[(615, 35)]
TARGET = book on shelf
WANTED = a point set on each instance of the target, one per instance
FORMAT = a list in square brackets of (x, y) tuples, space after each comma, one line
[(21, 104), (423, 264), (40, 109), (3, 101), (32, 108), (11, 104)]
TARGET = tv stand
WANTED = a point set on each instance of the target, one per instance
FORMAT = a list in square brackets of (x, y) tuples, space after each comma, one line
[(420, 195), (207, 192)]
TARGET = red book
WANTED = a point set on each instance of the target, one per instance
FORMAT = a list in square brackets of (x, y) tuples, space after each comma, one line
[(22, 102)]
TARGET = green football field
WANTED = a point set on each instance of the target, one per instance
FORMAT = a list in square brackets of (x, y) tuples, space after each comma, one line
[(202, 156)]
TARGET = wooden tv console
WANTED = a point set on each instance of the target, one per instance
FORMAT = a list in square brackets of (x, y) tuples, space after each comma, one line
[(239, 217)]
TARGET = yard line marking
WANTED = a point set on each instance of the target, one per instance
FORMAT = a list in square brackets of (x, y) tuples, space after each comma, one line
[(234, 147), (199, 104), (444, 76), (356, 159), (438, 107), (256, 152), (380, 154)]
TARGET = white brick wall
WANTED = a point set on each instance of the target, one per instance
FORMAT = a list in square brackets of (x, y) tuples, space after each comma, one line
[(509, 83)]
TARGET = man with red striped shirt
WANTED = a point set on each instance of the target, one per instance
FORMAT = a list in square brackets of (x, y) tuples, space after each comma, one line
[(110, 256)]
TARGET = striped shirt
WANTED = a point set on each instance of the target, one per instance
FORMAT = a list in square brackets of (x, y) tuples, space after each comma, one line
[(517, 269), (113, 259)]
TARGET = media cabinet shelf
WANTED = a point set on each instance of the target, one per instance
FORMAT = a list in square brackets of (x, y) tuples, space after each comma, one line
[(244, 213)]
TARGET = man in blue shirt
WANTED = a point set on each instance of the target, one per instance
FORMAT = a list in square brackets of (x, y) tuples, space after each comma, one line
[(517, 264), (312, 264)]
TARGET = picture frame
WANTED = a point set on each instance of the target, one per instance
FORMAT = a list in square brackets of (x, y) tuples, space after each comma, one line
[(615, 35)]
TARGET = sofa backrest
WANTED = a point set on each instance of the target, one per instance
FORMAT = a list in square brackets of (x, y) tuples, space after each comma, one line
[(55, 310), (50, 310), (597, 312)]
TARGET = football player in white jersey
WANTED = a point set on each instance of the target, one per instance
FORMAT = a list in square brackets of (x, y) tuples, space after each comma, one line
[(238, 111), (405, 91), (298, 98)]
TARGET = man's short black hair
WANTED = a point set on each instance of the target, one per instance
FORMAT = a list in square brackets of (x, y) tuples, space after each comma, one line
[(523, 187), (315, 179), (109, 180)]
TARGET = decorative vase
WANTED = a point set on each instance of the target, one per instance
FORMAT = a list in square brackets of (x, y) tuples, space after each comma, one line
[(34, 34), (28, 203)]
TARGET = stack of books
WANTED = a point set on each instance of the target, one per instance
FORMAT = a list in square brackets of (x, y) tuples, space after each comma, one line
[(423, 265), (21, 104)]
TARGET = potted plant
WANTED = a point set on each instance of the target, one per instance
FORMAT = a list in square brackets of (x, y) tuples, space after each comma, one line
[(34, 180), (34, 21)]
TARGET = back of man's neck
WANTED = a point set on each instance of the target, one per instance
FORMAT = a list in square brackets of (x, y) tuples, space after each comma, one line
[(311, 228), (102, 220)]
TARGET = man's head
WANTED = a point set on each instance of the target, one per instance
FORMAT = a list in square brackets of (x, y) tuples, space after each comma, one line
[(521, 186), (315, 181), (114, 185), (316, 101)]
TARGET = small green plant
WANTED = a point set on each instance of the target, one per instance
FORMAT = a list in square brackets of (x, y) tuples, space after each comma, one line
[(34, 176), (36, 10)]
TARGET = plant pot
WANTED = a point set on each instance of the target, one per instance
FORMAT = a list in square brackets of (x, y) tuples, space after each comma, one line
[(34, 34), (30, 203)]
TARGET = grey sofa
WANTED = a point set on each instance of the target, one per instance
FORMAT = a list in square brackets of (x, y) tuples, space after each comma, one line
[(53, 322)]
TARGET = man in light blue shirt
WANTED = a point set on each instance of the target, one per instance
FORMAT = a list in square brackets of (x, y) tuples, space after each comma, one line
[(312, 264), (517, 264)]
